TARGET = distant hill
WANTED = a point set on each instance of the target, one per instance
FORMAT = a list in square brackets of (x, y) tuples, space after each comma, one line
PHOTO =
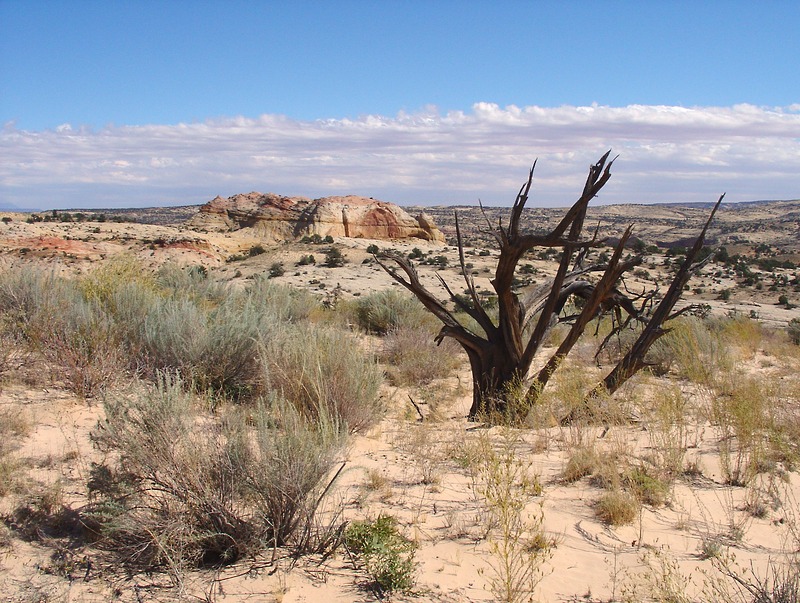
[(14, 208)]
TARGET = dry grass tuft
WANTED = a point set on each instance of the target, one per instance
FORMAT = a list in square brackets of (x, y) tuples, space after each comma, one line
[(617, 507)]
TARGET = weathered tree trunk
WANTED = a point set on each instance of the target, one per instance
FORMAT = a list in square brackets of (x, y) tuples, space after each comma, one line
[(500, 359)]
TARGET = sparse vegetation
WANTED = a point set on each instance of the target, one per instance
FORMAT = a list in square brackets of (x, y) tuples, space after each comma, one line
[(226, 403)]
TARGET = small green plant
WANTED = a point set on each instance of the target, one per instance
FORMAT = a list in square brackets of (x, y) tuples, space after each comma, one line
[(710, 547), (388, 556), (649, 489)]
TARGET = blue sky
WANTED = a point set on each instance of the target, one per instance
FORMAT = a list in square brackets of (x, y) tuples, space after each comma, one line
[(152, 103)]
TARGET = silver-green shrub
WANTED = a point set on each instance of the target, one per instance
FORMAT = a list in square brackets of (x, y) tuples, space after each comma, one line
[(192, 488), (323, 370), (386, 310)]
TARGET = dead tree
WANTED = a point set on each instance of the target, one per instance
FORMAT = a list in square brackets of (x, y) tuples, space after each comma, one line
[(502, 352)]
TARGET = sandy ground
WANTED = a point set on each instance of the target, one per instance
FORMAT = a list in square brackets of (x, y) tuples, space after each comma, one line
[(414, 471)]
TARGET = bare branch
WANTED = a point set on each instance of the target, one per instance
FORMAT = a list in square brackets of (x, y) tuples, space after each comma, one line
[(634, 360)]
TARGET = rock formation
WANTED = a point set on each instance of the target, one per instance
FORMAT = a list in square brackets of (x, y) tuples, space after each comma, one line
[(278, 218)]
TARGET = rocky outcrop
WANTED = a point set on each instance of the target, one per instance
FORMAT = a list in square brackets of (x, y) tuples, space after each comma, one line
[(277, 218)]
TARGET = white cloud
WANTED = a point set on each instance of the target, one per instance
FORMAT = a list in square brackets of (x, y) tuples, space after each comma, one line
[(666, 153)]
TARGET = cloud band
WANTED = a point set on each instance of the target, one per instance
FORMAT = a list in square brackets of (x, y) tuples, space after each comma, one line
[(666, 154)]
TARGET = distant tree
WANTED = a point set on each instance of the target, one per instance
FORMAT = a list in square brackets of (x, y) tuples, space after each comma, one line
[(334, 258)]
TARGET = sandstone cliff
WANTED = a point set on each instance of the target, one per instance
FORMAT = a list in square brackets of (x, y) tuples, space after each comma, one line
[(278, 218)]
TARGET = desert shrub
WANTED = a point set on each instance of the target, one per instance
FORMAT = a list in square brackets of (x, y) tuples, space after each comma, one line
[(256, 250), (388, 556), (617, 507), (173, 338), (54, 319), (12, 348), (276, 269), (384, 311), (82, 344), (28, 297), (693, 350), (323, 370), (742, 332), (76, 336), (334, 258), (669, 432), (659, 579), (415, 357), (230, 362), (566, 395), (130, 305), (739, 410), (193, 283), (280, 303), (104, 282), (213, 350), (517, 543), (794, 330), (732, 583), (285, 475), (189, 488)]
